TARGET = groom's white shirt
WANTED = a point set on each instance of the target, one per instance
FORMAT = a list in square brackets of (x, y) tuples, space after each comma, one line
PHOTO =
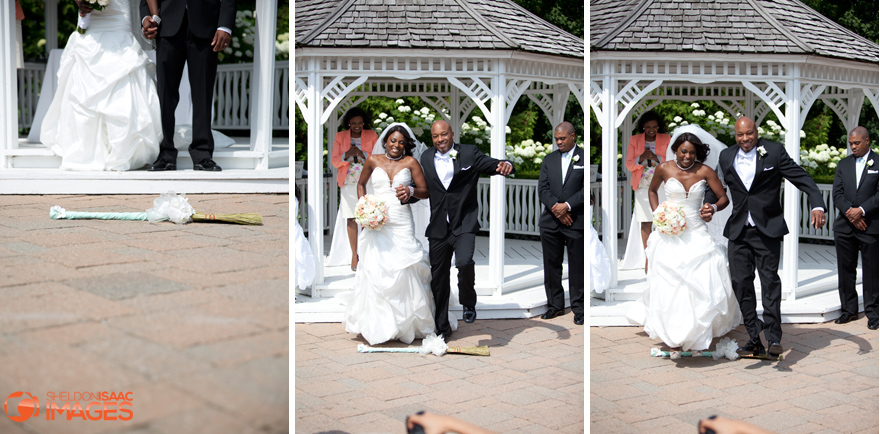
[(746, 163), (445, 169)]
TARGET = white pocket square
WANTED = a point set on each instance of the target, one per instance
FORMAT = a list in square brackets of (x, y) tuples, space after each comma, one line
[(465, 168), (578, 167), (872, 172), (768, 168)]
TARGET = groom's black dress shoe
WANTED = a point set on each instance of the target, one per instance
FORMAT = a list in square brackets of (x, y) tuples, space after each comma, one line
[(872, 324), (753, 347), (161, 166), (553, 313), (845, 318), (207, 165), (579, 319), (470, 315), (444, 336), (774, 348)]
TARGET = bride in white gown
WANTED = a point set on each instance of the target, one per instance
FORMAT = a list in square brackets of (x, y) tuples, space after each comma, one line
[(105, 113), (392, 298), (689, 299)]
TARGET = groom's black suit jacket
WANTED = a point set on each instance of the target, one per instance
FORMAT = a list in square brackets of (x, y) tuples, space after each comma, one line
[(204, 16), (459, 202), (552, 190), (763, 199), (847, 195)]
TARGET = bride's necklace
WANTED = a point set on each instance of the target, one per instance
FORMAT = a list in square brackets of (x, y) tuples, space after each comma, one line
[(685, 168), (394, 159)]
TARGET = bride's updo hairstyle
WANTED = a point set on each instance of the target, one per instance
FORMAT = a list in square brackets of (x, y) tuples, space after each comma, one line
[(410, 144), (702, 150)]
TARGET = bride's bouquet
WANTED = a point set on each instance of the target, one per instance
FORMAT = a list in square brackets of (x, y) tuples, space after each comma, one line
[(370, 212), (669, 219), (82, 22)]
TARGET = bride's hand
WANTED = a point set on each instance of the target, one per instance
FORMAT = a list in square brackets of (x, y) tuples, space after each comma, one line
[(706, 212), (84, 8)]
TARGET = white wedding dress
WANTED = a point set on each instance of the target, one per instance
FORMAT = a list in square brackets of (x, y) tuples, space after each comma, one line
[(391, 297), (105, 113), (689, 300)]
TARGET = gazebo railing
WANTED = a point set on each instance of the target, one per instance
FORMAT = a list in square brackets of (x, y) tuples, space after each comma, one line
[(232, 92)]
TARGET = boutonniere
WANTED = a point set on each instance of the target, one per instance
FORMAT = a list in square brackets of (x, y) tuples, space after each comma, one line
[(761, 151), (870, 163), (453, 153), (576, 158)]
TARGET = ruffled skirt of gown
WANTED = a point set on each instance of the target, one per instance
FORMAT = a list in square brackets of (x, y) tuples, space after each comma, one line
[(105, 114)]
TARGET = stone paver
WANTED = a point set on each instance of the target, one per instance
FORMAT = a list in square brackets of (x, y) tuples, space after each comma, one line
[(192, 319), (540, 390), (826, 383)]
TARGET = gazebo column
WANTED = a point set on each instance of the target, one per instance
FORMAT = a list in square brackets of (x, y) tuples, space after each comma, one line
[(497, 190), (263, 75), (51, 26), (316, 173), (791, 199), (8, 79), (608, 121)]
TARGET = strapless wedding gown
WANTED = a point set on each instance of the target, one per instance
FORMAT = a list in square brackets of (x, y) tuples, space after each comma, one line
[(105, 113), (689, 300), (391, 297)]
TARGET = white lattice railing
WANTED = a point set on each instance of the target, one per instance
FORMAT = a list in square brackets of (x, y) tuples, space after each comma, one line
[(804, 228), (231, 95)]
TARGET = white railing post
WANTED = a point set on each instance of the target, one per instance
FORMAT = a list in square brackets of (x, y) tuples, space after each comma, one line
[(8, 78), (264, 70)]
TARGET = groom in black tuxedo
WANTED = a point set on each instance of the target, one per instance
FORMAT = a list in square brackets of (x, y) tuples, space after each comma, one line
[(191, 32), (452, 171), (753, 171), (561, 191), (855, 228)]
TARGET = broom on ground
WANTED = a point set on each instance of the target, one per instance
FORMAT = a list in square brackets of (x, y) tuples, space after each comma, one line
[(431, 344)]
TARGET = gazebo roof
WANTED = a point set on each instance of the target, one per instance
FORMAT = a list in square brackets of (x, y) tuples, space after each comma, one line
[(431, 24), (723, 26)]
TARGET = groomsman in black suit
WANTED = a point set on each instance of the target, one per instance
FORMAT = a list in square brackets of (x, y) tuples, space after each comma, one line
[(855, 228), (561, 190), (753, 171), (452, 171), (191, 32)]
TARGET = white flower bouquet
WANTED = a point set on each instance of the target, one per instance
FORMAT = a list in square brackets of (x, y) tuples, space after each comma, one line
[(669, 219), (371, 212), (82, 22)]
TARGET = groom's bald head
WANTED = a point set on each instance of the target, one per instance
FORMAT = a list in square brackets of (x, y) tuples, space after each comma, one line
[(746, 133), (442, 136)]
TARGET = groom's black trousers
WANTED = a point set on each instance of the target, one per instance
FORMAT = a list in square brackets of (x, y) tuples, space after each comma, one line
[(171, 55), (848, 247), (751, 249), (440, 251)]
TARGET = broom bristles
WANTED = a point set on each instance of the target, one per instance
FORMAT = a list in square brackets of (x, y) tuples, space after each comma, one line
[(482, 350), (240, 218)]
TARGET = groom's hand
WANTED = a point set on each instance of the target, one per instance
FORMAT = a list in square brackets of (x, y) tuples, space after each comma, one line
[(817, 218), (504, 168), (221, 40), (150, 28), (706, 212)]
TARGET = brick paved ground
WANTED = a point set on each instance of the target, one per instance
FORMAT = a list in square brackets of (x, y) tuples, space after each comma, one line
[(533, 381), (192, 319), (828, 383)]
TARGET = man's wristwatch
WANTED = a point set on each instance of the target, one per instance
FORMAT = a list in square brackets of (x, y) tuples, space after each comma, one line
[(714, 207)]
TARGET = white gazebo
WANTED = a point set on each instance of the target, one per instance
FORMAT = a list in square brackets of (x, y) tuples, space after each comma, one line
[(749, 56), (247, 97), (455, 55)]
